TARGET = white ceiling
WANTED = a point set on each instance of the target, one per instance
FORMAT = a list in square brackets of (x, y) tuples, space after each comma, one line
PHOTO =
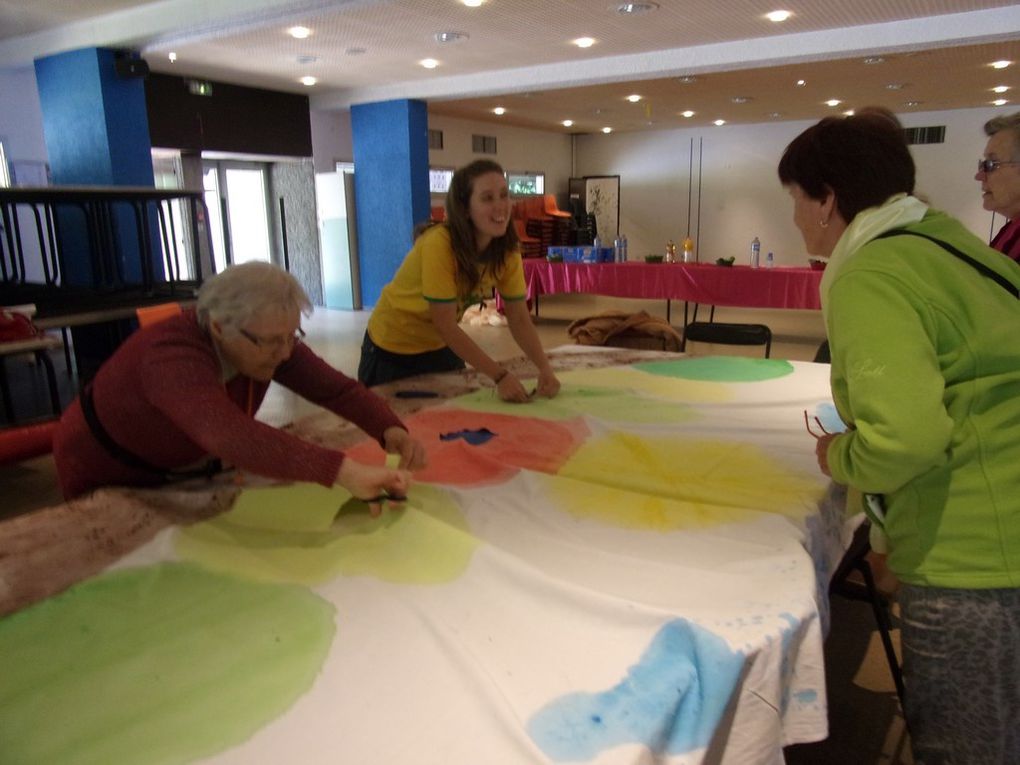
[(518, 53)]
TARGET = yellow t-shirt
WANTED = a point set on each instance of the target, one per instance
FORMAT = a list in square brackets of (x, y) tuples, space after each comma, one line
[(400, 322)]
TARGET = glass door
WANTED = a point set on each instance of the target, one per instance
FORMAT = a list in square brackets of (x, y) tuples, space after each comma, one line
[(236, 195)]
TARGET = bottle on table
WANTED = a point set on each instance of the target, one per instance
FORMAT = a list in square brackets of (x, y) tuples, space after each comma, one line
[(671, 251), (623, 248), (755, 252), (596, 247), (769, 261), (688, 250)]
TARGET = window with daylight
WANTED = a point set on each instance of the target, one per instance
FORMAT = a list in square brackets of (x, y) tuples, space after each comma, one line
[(439, 179), (522, 184)]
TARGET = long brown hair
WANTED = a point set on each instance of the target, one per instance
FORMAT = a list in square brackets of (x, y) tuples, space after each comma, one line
[(471, 264)]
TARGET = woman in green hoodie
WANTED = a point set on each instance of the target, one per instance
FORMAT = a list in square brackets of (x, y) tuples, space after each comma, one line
[(922, 319)]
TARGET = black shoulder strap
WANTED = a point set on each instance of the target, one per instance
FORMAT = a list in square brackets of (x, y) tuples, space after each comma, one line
[(975, 264), (129, 458)]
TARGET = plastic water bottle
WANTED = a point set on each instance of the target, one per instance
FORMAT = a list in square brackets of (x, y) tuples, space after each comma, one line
[(769, 262), (596, 247), (623, 248), (755, 252), (618, 249), (688, 250)]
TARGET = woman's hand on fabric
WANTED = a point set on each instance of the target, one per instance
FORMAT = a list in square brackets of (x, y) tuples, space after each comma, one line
[(411, 450), (510, 389), (374, 484), (548, 384), (822, 452)]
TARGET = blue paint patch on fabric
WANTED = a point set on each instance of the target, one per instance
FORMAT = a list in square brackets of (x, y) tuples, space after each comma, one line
[(829, 417), (806, 697), (670, 701), (473, 437)]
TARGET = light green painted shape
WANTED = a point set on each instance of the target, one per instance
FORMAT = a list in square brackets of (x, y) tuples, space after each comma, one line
[(290, 507), (719, 368), (621, 379), (601, 403), (164, 664), (426, 542)]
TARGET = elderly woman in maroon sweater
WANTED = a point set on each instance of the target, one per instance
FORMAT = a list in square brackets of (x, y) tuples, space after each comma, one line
[(186, 390)]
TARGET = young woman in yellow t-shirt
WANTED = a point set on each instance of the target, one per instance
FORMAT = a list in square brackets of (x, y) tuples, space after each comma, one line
[(414, 328)]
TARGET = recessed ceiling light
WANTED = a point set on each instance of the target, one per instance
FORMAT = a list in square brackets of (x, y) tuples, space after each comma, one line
[(607, 130), (306, 59), (633, 98), (429, 63), (1000, 102), (996, 89), (472, 3), (874, 60), (584, 42), (800, 83), (741, 99), (913, 103), (687, 79), (849, 113), (499, 110), (719, 123), (172, 55), (778, 16), (634, 8), (833, 102), (1000, 64), (567, 123), (895, 86), (450, 37), (299, 33), (308, 80), (688, 114)]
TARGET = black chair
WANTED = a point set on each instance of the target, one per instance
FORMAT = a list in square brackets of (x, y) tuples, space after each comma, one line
[(728, 334), (856, 559), (822, 355)]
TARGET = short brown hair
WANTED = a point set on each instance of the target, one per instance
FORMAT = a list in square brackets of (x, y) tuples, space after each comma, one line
[(1009, 122), (863, 159)]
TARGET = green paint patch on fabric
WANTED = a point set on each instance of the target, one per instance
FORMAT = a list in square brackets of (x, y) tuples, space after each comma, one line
[(663, 484), (426, 542), (620, 380), (164, 664), (719, 368), (600, 403)]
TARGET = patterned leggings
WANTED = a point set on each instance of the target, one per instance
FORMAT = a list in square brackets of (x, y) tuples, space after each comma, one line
[(961, 667)]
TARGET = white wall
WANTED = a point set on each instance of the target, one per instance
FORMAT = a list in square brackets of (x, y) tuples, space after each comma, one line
[(21, 127), (740, 192)]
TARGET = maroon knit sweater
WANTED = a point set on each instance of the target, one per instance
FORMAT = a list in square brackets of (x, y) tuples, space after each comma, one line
[(161, 396)]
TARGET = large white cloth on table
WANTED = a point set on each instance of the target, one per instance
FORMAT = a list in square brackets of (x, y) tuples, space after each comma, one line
[(671, 610)]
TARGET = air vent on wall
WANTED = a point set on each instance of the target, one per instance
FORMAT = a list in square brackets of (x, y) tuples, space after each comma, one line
[(483, 144), (934, 134)]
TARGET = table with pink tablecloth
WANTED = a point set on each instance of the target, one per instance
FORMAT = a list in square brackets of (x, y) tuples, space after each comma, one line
[(741, 286)]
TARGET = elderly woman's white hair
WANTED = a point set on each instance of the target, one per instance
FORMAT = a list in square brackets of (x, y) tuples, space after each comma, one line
[(235, 295)]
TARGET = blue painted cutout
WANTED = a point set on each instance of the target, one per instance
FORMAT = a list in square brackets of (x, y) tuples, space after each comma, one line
[(670, 701), (473, 437)]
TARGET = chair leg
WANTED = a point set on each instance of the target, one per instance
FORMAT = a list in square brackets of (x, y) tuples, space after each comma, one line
[(43, 357), (5, 391), (884, 626)]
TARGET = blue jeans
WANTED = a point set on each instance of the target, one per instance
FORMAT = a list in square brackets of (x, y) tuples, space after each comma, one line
[(961, 668)]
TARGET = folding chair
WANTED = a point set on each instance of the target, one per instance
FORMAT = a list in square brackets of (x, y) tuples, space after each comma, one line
[(728, 334)]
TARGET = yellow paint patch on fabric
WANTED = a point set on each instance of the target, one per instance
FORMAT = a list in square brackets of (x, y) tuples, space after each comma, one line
[(427, 542), (601, 403), (659, 386), (288, 507), (669, 483)]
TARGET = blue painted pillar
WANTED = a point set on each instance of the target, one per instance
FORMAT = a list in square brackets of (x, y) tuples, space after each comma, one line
[(391, 186), (97, 134)]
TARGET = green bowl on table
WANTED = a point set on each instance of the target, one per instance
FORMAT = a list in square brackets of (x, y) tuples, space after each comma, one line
[(725, 262), (653, 258), (554, 258)]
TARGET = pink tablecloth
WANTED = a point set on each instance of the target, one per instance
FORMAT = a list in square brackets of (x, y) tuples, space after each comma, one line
[(694, 282)]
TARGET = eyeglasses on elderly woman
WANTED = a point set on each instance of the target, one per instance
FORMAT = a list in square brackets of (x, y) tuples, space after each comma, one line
[(273, 343), (991, 165)]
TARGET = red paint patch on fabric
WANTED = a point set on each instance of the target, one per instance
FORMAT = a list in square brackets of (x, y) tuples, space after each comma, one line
[(520, 442)]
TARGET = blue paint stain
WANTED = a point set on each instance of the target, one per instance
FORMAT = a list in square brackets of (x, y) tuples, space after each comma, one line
[(671, 700), (806, 697), (473, 437)]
